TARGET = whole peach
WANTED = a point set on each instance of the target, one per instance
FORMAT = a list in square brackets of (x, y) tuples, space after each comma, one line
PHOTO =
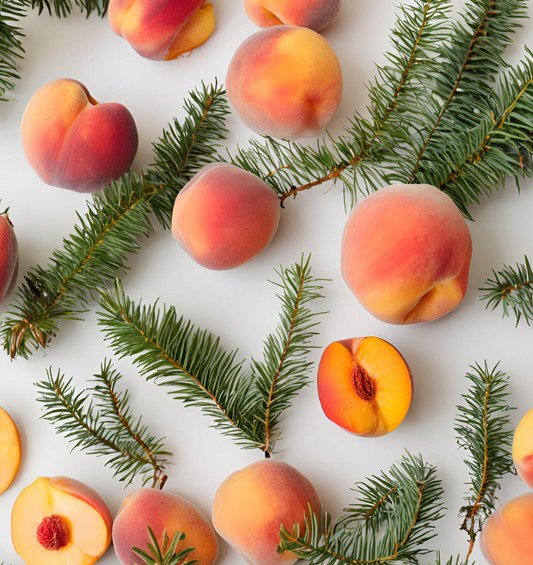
[(406, 253), (285, 82), (9, 254), (73, 142), (225, 216), (251, 505), (523, 449)]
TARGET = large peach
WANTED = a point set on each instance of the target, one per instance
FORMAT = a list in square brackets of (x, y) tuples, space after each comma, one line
[(9, 254), (314, 14), (73, 142), (507, 536), (406, 253), (523, 449), (225, 216), (285, 82), (9, 450), (60, 521), (162, 511), (365, 386), (251, 505), (162, 29)]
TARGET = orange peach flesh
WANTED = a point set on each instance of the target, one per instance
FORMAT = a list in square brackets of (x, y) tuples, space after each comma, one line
[(365, 386), (523, 449), (194, 33), (10, 450)]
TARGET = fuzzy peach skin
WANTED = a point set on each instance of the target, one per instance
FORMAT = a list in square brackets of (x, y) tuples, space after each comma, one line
[(60, 521), (73, 142), (225, 216), (507, 536), (251, 505), (10, 450), (9, 254), (285, 82), (406, 254), (162, 29), (314, 14), (162, 510), (523, 449)]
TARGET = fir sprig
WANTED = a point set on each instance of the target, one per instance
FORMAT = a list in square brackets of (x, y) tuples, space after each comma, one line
[(99, 420), (62, 8), (11, 49), (166, 554)]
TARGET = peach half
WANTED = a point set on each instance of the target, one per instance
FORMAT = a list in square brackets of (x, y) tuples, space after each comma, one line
[(523, 449), (9, 450), (162, 29), (365, 386), (9, 255), (73, 142), (507, 536), (225, 216), (251, 505), (314, 14), (162, 511), (60, 521), (285, 82), (406, 254)]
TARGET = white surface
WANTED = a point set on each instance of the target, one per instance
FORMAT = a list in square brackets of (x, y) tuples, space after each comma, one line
[(240, 305)]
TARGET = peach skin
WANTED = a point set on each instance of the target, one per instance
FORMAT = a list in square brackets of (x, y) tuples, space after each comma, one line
[(162, 510), (285, 82), (314, 14), (507, 536), (406, 254), (162, 29), (225, 216), (9, 254), (73, 142), (365, 386), (60, 521), (9, 450), (251, 505), (523, 449)]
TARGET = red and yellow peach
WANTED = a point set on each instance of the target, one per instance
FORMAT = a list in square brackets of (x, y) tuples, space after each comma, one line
[(406, 254), (523, 449), (251, 505), (225, 216), (163, 29), (9, 254), (10, 450), (285, 82), (73, 142)]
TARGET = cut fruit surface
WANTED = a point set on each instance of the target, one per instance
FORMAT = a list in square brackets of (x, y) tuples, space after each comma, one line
[(9, 450)]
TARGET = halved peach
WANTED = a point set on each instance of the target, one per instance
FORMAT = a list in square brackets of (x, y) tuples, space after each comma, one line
[(60, 521), (9, 450), (523, 449), (365, 386)]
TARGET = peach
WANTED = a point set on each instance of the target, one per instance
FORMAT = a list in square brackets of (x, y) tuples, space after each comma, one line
[(251, 505), (9, 450), (225, 216), (523, 449), (162, 29), (60, 521), (365, 386), (314, 14), (9, 254), (162, 510), (406, 253), (507, 536), (73, 142), (285, 82)]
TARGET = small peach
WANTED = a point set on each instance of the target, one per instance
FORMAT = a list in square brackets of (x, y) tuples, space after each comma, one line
[(523, 449), (406, 253), (285, 82), (225, 216), (9, 450), (9, 254)]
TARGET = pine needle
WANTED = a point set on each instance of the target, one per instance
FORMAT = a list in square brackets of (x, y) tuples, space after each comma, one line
[(166, 554), (11, 49)]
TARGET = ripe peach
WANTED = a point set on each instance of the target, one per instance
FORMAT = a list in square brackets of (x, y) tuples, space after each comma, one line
[(225, 216), (9, 450), (60, 521), (164, 29), (314, 14), (73, 142), (523, 449), (285, 82), (162, 510), (507, 536), (9, 254), (365, 386), (251, 505), (406, 254)]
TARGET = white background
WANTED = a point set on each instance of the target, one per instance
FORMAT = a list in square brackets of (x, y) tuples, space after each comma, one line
[(240, 305)]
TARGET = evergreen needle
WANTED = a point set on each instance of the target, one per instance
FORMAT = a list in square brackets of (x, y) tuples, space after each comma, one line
[(166, 554)]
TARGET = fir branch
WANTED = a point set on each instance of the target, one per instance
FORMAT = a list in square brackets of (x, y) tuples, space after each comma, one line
[(512, 288), (11, 49), (99, 420), (108, 232), (392, 522), (483, 428), (167, 554), (62, 8)]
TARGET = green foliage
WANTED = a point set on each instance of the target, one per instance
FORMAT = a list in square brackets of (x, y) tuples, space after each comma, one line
[(192, 363), (165, 555), (11, 50), (109, 230), (99, 420), (62, 8)]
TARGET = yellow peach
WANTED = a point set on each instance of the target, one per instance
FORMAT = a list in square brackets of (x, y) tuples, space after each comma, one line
[(9, 450), (523, 449)]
